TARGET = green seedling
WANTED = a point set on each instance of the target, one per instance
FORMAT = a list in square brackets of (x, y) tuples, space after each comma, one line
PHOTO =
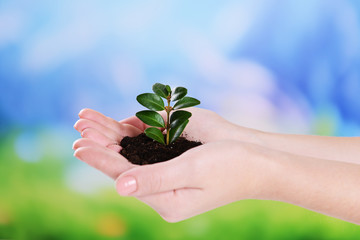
[(176, 120)]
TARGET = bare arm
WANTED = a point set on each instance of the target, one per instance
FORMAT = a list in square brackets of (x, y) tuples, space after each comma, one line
[(325, 186), (343, 149)]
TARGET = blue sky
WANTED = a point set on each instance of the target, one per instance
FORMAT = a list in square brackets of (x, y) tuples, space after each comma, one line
[(285, 65)]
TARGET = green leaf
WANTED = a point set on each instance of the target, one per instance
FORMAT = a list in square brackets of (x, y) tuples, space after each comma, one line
[(161, 90), (179, 93), (177, 131), (169, 89), (186, 102), (179, 117), (151, 101), (151, 118), (155, 134)]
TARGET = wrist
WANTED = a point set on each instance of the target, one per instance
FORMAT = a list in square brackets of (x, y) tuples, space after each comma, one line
[(267, 173), (282, 175), (247, 176), (248, 135)]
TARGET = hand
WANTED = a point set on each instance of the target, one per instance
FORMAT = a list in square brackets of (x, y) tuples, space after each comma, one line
[(205, 126), (199, 180)]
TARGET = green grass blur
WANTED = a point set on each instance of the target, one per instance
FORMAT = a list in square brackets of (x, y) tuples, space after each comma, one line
[(35, 203)]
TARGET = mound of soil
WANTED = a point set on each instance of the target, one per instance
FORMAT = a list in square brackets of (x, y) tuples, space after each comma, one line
[(143, 150)]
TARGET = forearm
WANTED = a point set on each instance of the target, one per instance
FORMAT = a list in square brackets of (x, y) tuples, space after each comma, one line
[(343, 149), (324, 186)]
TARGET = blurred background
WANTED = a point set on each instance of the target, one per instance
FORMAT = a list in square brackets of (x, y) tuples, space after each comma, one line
[(284, 66)]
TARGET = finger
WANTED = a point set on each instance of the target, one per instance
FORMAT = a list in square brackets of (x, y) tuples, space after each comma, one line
[(155, 178), (121, 129), (103, 159), (98, 117), (98, 137), (82, 124), (136, 122), (86, 142)]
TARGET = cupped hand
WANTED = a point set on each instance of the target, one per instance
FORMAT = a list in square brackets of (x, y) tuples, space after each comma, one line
[(201, 179), (205, 126)]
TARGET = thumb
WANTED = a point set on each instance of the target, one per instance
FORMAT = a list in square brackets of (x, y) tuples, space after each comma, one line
[(155, 178)]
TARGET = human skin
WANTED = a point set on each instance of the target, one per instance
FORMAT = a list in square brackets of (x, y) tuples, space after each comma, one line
[(234, 163)]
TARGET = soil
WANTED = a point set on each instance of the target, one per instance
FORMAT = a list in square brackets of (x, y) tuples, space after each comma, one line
[(143, 150)]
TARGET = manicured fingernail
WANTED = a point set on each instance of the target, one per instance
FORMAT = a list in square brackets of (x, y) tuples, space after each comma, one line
[(126, 185)]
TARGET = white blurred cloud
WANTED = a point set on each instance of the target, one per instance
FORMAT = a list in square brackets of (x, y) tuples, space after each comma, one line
[(52, 47), (11, 26), (127, 75), (234, 20), (85, 179)]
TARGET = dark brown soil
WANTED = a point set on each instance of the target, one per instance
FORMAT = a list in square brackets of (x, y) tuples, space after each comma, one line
[(142, 150)]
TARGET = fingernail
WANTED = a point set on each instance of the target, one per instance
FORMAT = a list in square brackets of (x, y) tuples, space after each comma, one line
[(75, 155), (126, 185), (80, 113)]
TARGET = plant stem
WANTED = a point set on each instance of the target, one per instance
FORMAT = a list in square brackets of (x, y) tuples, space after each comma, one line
[(168, 109)]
